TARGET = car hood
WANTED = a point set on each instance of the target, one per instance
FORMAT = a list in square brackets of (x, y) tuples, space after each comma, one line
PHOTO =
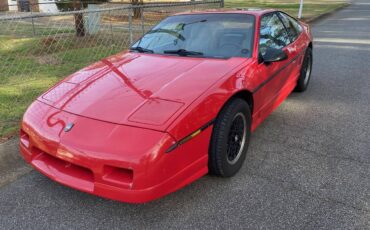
[(144, 90)]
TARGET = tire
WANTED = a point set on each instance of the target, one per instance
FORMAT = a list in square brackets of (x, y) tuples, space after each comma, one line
[(306, 70), (231, 129)]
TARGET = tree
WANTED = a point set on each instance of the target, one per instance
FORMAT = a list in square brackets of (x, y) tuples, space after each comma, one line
[(75, 5), (79, 19), (137, 11)]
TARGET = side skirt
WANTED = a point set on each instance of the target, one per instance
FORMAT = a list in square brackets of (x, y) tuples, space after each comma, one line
[(267, 109)]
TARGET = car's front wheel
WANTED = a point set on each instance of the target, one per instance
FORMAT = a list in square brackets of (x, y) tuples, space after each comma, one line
[(230, 138)]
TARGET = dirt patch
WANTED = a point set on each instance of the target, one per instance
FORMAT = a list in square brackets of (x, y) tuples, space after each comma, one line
[(48, 60), (7, 137)]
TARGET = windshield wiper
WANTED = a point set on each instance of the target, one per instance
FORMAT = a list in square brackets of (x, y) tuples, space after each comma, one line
[(141, 49), (183, 52)]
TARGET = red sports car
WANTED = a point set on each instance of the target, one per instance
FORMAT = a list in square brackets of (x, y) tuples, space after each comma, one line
[(180, 103)]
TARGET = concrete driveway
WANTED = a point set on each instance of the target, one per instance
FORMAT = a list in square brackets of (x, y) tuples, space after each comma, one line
[(308, 165)]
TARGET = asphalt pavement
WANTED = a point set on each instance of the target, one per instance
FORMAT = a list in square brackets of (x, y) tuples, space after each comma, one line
[(308, 166)]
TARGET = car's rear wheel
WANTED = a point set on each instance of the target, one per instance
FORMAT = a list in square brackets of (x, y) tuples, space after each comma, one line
[(230, 138), (306, 70)]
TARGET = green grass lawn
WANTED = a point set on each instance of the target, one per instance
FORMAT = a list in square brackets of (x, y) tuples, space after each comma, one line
[(29, 67), (311, 8)]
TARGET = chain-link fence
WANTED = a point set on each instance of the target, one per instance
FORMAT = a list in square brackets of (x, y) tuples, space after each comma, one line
[(38, 49)]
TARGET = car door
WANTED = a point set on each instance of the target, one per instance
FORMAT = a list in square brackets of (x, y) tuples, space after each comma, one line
[(272, 77), (296, 46)]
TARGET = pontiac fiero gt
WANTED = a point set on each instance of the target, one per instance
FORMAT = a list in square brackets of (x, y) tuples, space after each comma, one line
[(181, 102)]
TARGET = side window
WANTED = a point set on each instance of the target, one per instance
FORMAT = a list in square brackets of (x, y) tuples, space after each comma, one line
[(294, 29), (272, 33)]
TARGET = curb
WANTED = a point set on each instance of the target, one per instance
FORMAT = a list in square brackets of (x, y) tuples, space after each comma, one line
[(12, 165), (326, 15)]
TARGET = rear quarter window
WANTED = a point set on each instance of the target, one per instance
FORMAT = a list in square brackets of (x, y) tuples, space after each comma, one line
[(293, 27)]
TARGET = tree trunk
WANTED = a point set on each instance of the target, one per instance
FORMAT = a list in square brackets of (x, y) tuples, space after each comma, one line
[(79, 19), (137, 11), (4, 5)]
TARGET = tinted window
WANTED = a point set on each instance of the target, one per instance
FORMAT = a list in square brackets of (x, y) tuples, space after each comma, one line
[(294, 29), (214, 35), (272, 33)]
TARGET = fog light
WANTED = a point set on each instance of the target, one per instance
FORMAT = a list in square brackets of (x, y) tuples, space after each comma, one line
[(118, 176), (25, 139)]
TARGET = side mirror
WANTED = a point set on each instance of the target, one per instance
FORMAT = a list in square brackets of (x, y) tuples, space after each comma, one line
[(274, 55)]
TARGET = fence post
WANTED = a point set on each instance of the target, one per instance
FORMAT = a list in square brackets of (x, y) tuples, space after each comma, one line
[(110, 23), (33, 23), (222, 3), (130, 24), (142, 20)]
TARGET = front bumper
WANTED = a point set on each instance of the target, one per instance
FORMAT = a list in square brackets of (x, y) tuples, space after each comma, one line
[(117, 162)]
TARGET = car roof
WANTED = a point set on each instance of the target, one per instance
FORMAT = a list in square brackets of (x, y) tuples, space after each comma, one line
[(250, 11)]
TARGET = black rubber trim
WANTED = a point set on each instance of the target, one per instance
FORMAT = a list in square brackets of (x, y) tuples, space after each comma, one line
[(190, 136), (276, 73)]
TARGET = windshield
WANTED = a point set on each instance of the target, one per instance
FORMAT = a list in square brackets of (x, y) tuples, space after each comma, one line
[(203, 35)]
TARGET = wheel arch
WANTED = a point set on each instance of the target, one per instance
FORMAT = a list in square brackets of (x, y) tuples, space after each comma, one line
[(310, 45), (245, 95)]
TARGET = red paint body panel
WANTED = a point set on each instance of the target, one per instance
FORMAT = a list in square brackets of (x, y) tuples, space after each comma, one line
[(84, 158), (128, 109), (122, 89)]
